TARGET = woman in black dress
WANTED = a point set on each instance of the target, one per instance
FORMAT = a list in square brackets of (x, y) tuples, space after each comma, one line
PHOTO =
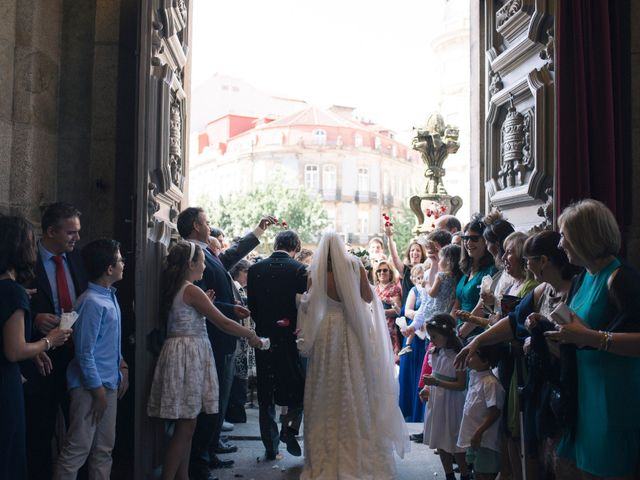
[(17, 259)]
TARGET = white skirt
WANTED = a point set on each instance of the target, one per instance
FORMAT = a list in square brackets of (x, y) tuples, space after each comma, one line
[(185, 382)]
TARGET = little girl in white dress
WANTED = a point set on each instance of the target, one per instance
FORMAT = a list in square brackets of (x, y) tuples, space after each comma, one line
[(185, 382)]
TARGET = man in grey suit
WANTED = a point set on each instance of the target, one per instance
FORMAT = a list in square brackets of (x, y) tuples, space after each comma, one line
[(272, 286)]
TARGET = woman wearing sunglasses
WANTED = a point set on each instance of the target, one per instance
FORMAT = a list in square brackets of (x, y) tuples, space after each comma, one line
[(389, 293), (475, 262)]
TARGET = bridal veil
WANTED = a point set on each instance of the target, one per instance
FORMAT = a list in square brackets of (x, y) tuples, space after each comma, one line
[(368, 323)]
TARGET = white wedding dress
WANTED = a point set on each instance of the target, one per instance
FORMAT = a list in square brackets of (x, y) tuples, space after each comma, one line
[(352, 420)]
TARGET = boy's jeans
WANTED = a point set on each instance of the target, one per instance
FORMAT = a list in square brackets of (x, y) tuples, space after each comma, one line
[(84, 439)]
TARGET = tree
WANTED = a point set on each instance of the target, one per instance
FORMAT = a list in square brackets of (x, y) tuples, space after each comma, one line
[(404, 221), (240, 212)]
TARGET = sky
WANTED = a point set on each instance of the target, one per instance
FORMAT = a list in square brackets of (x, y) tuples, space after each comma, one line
[(373, 55)]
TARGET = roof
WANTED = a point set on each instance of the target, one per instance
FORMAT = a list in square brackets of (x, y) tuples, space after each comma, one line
[(315, 116)]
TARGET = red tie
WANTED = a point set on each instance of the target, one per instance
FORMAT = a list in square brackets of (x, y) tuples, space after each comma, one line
[(64, 298)]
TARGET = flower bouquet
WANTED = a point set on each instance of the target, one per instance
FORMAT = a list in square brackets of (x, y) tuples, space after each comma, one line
[(364, 257)]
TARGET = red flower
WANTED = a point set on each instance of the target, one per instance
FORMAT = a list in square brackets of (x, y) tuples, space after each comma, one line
[(384, 214), (283, 322), (443, 208)]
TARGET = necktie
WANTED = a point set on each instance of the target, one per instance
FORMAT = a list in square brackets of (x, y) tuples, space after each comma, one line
[(64, 298)]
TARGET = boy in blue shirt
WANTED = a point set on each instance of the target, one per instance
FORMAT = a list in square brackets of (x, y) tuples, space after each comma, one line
[(97, 376)]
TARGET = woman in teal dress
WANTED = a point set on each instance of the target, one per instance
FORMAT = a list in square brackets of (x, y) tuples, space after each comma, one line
[(475, 262), (604, 327)]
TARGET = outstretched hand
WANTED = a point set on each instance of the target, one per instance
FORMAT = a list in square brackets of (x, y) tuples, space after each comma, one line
[(266, 221), (462, 358), (574, 332)]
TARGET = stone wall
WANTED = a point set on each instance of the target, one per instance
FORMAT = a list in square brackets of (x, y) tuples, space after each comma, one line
[(29, 78), (59, 76)]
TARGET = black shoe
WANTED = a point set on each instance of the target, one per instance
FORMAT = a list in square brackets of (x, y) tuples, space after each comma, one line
[(416, 437), (226, 448), (215, 462), (288, 437)]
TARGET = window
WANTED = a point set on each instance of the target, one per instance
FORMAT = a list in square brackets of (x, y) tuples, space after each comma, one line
[(331, 218), (319, 137), (329, 178), (363, 223), (377, 143), (394, 150), (311, 178), (358, 140), (363, 180)]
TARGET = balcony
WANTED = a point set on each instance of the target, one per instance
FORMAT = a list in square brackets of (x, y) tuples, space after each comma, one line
[(333, 195), (365, 196)]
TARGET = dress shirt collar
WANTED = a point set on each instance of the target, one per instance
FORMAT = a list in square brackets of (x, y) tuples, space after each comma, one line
[(47, 255), (99, 289), (202, 245)]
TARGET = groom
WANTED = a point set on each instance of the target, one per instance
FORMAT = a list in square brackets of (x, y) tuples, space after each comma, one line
[(272, 285)]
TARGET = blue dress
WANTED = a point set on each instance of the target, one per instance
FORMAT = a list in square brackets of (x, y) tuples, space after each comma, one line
[(410, 366), (607, 437), (13, 459)]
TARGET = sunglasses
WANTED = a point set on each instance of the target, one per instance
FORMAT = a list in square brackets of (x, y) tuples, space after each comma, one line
[(472, 238), (383, 270)]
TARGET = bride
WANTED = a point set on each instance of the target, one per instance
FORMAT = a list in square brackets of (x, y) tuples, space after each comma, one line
[(352, 422)]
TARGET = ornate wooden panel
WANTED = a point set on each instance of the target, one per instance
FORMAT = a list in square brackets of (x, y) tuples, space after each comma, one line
[(519, 121), (162, 133)]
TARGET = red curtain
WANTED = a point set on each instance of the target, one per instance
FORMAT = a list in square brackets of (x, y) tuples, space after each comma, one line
[(593, 98)]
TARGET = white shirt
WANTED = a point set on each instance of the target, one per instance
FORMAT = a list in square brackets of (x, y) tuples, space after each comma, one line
[(484, 392)]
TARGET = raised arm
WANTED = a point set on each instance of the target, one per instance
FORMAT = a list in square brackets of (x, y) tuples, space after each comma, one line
[(393, 251)]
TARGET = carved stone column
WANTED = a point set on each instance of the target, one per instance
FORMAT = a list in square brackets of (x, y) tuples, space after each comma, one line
[(435, 142)]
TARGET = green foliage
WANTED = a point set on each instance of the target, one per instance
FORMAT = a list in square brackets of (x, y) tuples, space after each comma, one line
[(404, 221), (240, 212)]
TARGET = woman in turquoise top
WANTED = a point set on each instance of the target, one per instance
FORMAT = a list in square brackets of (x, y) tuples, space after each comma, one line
[(604, 326), (475, 262)]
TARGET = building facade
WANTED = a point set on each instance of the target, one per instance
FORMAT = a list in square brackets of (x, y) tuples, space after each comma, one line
[(358, 170)]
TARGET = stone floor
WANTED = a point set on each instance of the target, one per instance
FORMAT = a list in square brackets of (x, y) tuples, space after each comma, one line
[(420, 463)]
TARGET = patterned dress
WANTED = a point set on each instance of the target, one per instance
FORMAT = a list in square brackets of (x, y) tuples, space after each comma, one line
[(185, 382), (385, 294)]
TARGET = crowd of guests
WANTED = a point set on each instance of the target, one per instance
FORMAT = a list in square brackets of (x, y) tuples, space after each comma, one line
[(518, 352)]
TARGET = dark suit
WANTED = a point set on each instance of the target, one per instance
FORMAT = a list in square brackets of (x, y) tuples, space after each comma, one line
[(44, 394), (217, 278), (272, 285)]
